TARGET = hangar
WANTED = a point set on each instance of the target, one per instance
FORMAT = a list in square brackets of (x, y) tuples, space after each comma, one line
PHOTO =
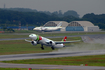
[(55, 23), (73, 26), (81, 26)]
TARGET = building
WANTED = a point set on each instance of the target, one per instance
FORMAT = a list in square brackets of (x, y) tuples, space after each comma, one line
[(81, 26), (55, 23), (73, 26)]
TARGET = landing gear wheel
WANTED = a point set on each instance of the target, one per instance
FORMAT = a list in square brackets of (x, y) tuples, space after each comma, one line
[(52, 48), (42, 47)]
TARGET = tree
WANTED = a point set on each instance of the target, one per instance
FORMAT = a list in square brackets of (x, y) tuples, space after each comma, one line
[(71, 13), (60, 13), (10, 30)]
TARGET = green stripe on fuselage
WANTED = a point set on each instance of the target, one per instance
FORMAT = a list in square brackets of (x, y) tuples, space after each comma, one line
[(37, 37)]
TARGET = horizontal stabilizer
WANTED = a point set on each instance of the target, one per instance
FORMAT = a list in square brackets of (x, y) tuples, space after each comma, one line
[(59, 25)]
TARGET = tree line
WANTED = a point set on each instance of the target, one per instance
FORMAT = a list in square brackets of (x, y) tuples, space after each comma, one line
[(58, 13), (34, 18)]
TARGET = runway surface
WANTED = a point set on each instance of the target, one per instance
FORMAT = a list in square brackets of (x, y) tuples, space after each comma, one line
[(49, 55), (64, 67)]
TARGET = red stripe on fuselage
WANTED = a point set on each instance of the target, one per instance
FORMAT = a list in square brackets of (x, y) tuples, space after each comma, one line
[(40, 38)]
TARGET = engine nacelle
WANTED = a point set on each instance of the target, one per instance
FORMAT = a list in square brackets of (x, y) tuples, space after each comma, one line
[(34, 43), (52, 43)]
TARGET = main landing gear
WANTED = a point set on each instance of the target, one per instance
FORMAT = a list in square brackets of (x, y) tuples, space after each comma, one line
[(42, 47), (52, 48)]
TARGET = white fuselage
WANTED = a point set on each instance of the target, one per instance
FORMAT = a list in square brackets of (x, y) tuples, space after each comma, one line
[(36, 39), (46, 42), (47, 28)]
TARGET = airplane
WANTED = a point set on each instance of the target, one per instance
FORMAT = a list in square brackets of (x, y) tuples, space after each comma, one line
[(36, 39), (47, 29)]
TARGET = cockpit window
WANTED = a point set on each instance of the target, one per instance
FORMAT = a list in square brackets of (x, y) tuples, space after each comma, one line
[(31, 35)]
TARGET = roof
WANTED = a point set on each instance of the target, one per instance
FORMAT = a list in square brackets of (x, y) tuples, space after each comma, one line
[(84, 23), (64, 23)]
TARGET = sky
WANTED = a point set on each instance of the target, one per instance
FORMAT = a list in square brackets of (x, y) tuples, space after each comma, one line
[(82, 7)]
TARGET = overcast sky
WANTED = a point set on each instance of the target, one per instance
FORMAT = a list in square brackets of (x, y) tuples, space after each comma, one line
[(80, 6)]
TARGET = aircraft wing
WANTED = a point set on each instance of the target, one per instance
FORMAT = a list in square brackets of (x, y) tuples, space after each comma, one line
[(63, 42), (27, 40)]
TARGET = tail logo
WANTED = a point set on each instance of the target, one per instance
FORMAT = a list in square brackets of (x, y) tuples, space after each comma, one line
[(65, 38)]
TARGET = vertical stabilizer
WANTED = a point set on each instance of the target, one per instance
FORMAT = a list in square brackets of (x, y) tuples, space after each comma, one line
[(64, 39), (59, 25)]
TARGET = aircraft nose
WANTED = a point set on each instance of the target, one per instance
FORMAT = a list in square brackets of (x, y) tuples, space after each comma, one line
[(33, 36), (34, 29)]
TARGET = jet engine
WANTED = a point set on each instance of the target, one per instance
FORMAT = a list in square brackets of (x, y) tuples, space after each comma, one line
[(52, 43), (34, 43)]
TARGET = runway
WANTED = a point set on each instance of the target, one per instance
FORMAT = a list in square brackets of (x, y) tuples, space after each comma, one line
[(86, 38), (37, 66), (49, 55)]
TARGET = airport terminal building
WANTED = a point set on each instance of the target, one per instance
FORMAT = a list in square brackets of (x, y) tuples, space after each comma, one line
[(73, 26)]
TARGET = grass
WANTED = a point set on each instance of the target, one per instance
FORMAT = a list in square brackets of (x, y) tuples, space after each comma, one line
[(25, 31), (3, 36), (93, 60), (21, 46)]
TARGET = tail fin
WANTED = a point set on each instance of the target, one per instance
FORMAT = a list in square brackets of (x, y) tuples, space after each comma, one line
[(64, 39), (59, 25)]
